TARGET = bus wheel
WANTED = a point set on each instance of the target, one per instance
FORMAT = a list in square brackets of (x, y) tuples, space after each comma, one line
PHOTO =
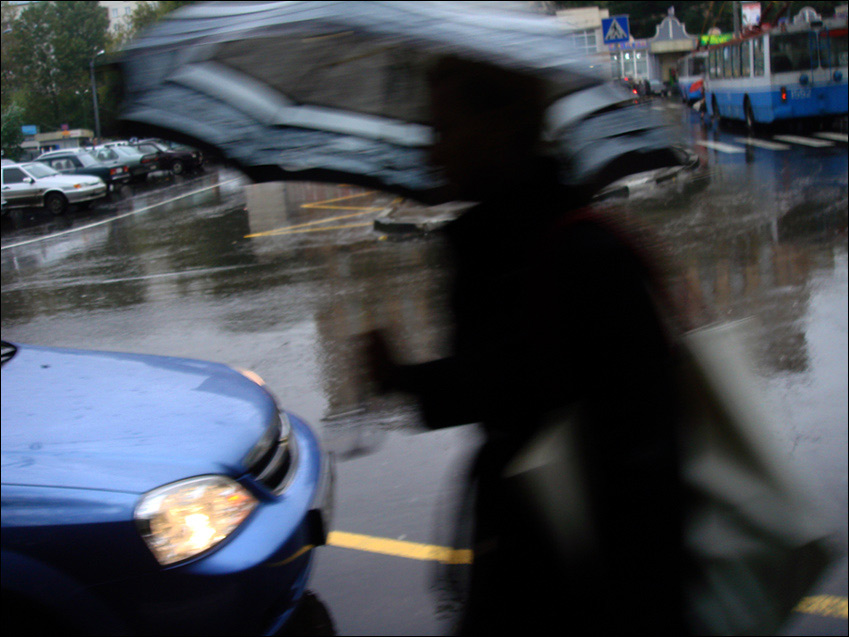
[(751, 124)]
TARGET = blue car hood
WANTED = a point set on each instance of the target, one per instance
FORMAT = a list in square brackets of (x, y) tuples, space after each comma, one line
[(125, 422)]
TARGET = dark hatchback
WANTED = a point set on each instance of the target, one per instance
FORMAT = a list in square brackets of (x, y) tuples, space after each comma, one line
[(79, 161), (140, 165), (153, 495), (177, 159)]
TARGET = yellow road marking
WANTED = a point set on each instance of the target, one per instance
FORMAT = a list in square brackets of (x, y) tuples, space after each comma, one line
[(822, 605), (399, 548), (319, 204), (363, 208), (324, 205), (300, 227), (324, 228)]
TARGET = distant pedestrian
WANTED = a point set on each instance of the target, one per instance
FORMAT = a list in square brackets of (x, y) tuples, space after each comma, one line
[(554, 308)]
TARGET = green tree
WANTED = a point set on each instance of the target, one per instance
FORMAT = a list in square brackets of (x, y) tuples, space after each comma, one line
[(7, 62), (53, 45), (11, 135)]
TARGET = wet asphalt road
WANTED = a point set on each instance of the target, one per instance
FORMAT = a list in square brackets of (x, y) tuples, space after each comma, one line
[(278, 279)]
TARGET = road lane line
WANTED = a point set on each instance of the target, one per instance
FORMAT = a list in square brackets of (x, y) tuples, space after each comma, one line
[(116, 218), (835, 137), (322, 205), (804, 141), (399, 548), (761, 143), (299, 226), (822, 605), (722, 148), (281, 233)]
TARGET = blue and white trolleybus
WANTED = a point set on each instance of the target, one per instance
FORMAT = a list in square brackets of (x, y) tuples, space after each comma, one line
[(691, 75), (792, 71)]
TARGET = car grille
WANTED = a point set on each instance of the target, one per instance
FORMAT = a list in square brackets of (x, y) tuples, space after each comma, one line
[(275, 467)]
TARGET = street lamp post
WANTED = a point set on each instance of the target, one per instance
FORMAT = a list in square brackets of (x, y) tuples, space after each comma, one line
[(94, 95)]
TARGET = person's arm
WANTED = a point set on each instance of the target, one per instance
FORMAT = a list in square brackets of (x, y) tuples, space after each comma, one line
[(443, 388)]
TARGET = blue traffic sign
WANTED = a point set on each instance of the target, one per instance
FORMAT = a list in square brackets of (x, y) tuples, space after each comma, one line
[(615, 29)]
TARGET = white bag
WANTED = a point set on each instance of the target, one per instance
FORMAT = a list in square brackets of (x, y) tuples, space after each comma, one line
[(754, 537)]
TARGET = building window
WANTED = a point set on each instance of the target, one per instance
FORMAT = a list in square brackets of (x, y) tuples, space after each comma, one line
[(615, 67), (642, 63)]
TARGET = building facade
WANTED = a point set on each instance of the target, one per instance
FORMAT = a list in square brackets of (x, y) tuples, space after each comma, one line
[(582, 32), (670, 43)]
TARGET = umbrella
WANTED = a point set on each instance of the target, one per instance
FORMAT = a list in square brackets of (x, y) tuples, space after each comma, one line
[(337, 91)]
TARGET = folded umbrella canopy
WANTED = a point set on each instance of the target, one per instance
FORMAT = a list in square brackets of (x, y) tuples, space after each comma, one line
[(337, 91)]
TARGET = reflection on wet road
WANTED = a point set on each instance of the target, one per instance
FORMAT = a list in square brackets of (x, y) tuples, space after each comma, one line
[(278, 279)]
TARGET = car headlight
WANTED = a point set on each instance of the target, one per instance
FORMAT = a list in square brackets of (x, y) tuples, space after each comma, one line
[(182, 520)]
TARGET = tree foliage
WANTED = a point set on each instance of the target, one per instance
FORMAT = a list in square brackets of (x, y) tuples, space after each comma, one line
[(52, 46), (11, 135)]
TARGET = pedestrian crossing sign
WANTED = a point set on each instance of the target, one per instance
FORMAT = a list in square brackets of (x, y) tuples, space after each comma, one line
[(615, 29)]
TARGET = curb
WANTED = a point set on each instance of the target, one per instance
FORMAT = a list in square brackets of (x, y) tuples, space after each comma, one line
[(417, 219)]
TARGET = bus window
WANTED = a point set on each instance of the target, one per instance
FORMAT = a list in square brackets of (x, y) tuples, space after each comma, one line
[(698, 64), (735, 60), (834, 48), (727, 69), (758, 55), (790, 52), (745, 69)]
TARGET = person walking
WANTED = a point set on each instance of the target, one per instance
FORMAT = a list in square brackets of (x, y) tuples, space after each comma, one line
[(555, 307)]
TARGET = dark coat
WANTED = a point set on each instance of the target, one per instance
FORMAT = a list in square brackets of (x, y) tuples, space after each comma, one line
[(556, 307)]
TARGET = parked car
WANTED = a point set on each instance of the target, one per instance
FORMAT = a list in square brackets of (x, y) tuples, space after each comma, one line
[(80, 161), (153, 495), (657, 87), (35, 185), (177, 159), (140, 165)]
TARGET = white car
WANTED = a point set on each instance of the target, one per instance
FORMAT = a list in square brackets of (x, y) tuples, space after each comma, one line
[(35, 184)]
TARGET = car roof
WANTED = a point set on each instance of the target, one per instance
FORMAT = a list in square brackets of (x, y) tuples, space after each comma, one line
[(72, 151)]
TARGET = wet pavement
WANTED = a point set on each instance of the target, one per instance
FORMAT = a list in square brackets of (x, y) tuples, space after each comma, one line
[(278, 279)]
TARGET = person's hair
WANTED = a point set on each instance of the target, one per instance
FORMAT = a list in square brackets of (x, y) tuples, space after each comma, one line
[(487, 88)]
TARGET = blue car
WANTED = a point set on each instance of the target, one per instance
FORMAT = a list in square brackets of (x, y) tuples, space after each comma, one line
[(153, 495)]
